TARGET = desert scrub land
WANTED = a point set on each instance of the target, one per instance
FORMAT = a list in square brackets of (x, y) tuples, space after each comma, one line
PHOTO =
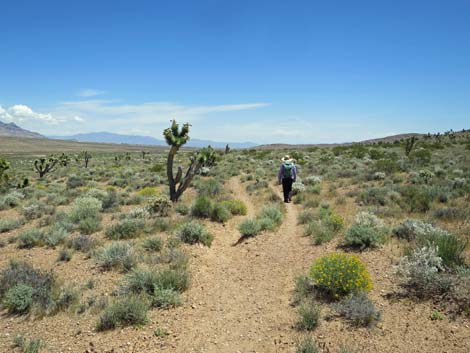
[(372, 255)]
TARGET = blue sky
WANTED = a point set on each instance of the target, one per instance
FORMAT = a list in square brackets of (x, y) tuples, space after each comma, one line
[(262, 71)]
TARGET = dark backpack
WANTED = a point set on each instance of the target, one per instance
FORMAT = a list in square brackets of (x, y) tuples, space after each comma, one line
[(287, 170)]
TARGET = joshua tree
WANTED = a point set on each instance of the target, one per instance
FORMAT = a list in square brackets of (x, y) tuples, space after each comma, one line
[(4, 166), (86, 157), (175, 138), (45, 165), (227, 149), (144, 153), (409, 144), (64, 160)]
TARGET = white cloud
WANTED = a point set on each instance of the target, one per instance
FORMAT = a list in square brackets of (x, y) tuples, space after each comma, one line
[(22, 113), (89, 92)]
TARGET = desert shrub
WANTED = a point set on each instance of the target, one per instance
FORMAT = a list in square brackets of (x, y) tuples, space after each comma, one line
[(30, 238), (415, 199), (307, 345), (11, 200), (266, 223), (148, 191), (111, 200), (138, 212), (182, 209), (420, 272), (411, 229), (89, 225), (125, 229), (450, 247), (202, 207), (19, 299), (334, 222), (210, 187), (303, 289), (85, 207), (20, 273), (249, 227), (459, 293), (358, 309), (159, 205), (339, 274), (81, 242), (367, 231), (64, 255), (271, 212), (312, 180), (306, 216), (66, 298), (309, 315), (166, 298), (153, 244), (7, 225), (117, 256), (236, 207), (318, 232), (127, 311), (448, 213), (55, 236), (36, 209), (298, 188), (373, 196), (147, 281), (219, 213), (161, 224), (193, 232), (74, 181), (32, 345)]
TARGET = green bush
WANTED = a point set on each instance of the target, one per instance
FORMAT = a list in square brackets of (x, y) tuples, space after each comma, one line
[(309, 315), (306, 216), (153, 244), (55, 236), (202, 207), (249, 227), (126, 229), (117, 256), (42, 283), (166, 298), (271, 212), (339, 274), (193, 232), (128, 311), (89, 225), (358, 309), (307, 345), (7, 225), (81, 242), (236, 207), (362, 237), (19, 299), (85, 207), (219, 213), (30, 238), (32, 345), (210, 187)]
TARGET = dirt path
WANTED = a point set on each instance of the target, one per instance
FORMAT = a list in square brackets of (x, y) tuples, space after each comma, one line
[(240, 297)]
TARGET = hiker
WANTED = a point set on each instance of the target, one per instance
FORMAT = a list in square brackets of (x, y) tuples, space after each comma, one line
[(287, 175)]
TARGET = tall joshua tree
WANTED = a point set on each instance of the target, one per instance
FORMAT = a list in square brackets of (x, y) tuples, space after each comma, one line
[(86, 156), (175, 138), (45, 165), (409, 144)]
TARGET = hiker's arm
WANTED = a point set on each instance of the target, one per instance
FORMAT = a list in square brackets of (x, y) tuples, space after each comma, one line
[(279, 175)]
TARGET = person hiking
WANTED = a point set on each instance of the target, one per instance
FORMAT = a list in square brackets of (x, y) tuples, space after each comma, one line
[(287, 175)]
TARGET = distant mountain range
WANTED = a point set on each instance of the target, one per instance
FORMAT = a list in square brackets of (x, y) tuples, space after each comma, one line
[(11, 129), (108, 137)]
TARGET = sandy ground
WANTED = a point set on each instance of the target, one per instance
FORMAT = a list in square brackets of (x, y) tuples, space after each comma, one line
[(240, 301)]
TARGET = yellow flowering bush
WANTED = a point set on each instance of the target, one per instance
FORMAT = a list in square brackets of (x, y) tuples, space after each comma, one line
[(340, 274)]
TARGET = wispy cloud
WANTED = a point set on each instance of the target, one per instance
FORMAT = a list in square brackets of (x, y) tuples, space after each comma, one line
[(90, 92)]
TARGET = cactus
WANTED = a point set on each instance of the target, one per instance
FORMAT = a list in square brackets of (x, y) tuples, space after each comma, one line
[(175, 138), (86, 156), (409, 144), (45, 165)]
